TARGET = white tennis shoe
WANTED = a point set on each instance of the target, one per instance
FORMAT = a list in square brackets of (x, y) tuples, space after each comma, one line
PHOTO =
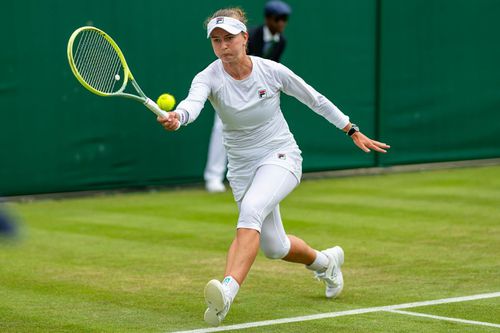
[(332, 277), (217, 301), (215, 186)]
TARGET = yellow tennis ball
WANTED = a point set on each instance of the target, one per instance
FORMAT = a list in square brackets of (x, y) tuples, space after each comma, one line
[(166, 102)]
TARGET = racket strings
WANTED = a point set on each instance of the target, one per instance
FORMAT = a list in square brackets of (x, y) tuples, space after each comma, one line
[(98, 62)]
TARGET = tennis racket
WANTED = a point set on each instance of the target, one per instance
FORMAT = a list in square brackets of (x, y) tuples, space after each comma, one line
[(99, 65)]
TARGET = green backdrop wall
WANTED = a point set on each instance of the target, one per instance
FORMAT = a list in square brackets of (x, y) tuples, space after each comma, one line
[(419, 74), (439, 79)]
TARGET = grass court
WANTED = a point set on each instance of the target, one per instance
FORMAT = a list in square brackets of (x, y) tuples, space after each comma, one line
[(138, 262)]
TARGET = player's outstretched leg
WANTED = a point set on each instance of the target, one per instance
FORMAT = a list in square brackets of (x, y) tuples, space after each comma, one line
[(325, 264)]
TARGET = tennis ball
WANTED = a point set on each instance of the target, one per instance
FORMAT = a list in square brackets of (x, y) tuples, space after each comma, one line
[(166, 102)]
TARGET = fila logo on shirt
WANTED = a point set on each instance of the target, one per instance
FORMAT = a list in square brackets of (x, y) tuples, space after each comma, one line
[(262, 93)]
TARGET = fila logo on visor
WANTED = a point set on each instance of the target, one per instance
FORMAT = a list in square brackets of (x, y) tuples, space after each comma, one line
[(219, 20)]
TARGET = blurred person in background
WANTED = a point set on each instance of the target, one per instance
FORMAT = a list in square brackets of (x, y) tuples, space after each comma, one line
[(7, 224), (266, 41)]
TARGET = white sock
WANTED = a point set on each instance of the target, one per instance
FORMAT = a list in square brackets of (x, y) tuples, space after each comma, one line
[(230, 286), (320, 264)]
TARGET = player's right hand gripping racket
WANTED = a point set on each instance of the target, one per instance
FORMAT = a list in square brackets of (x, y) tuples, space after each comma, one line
[(99, 65)]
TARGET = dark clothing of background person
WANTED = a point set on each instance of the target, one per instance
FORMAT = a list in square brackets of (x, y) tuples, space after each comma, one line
[(256, 45)]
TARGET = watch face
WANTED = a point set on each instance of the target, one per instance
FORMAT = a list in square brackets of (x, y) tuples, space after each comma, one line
[(354, 128)]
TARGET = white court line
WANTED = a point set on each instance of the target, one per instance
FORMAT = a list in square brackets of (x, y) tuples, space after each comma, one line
[(342, 313), (463, 321)]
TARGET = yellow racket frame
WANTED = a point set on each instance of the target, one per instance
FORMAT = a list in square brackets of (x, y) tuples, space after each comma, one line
[(126, 71), (127, 75)]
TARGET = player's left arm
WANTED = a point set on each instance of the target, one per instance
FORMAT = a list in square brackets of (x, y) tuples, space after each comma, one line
[(363, 142), (295, 86)]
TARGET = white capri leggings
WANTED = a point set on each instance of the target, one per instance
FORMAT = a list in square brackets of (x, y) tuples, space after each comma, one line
[(259, 208)]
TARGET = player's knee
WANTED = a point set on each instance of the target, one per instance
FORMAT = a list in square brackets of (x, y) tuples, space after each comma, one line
[(274, 250), (250, 217)]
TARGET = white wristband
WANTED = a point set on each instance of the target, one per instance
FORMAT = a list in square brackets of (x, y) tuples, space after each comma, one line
[(183, 116)]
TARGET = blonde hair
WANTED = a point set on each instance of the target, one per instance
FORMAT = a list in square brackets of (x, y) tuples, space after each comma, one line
[(234, 12)]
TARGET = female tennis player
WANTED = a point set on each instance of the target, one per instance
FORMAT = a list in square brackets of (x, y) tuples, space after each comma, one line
[(264, 159)]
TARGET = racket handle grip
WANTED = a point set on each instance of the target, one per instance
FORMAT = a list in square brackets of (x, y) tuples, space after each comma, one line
[(155, 108)]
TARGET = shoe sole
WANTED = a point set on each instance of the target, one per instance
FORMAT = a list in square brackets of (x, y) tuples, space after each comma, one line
[(214, 297)]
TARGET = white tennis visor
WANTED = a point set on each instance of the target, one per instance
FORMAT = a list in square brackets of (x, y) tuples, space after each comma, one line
[(231, 25)]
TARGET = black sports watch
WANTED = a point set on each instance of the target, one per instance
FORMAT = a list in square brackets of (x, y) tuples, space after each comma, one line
[(354, 128)]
